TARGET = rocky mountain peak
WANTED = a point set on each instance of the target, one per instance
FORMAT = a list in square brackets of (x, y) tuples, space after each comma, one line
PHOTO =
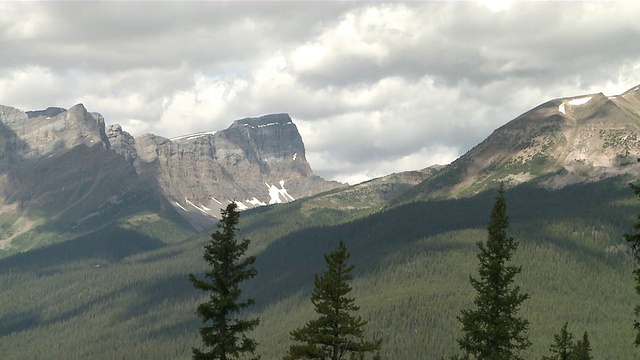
[(263, 121), (560, 142), (47, 132), (254, 162), (69, 165), (121, 142), (634, 91), (50, 111)]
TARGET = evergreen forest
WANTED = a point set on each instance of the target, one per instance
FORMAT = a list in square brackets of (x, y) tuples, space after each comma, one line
[(96, 297)]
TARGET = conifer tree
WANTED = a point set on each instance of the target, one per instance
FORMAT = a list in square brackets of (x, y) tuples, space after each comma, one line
[(223, 333), (493, 330), (562, 347), (634, 239), (336, 334), (582, 349)]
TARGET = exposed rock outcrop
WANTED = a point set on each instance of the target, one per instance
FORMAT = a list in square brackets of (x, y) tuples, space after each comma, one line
[(59, 175), (41, 135), (68, 162), (254, 162), (563, 141)]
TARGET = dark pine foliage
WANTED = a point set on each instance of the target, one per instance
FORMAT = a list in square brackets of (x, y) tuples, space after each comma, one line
[(562, 346), (222, 332), (634, 239), (582, 349), (493, 330), (336, 333)]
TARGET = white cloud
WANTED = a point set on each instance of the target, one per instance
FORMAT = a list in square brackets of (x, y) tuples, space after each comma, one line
[(30, 87), (373, 87), (18, 24), (200, 106), (497, 5), (135, 126)]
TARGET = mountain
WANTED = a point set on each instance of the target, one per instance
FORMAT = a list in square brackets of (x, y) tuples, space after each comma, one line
[(413, 248), (254, 162), (59, 179), (371, 194), (63, 173), (561, 142)]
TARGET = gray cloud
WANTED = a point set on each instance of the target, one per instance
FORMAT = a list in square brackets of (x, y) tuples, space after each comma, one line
[(374, 87)]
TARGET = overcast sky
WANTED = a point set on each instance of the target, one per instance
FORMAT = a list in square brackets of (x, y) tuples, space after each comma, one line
[(373, 87)]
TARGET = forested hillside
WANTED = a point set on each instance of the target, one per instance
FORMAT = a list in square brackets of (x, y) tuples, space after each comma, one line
[(132, 299)]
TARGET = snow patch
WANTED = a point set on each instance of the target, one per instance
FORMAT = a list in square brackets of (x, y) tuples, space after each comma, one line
[(201, 209), (214, 199), (295, 156), (192, 136), (561, 108), (256, 202), (269, 124), (180, 206), (240, 205), (580, 101), (275, 193)]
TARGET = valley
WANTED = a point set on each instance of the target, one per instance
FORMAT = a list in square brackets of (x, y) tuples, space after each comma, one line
[(99, 270)]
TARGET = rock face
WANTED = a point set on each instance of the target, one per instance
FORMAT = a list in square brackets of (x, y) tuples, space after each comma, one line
[(563, 141), (64, 167), (58, 176), (38, 134), (254, 162)]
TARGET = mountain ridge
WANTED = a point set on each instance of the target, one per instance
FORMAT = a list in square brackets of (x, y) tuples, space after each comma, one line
[(412, 261), (559, 142), (67, 167)]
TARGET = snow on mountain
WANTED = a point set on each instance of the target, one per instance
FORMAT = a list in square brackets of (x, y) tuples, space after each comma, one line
[(192, 136), (580, 101), (275, 194)]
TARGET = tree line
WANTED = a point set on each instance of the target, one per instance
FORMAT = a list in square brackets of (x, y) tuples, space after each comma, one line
[(491, 330)]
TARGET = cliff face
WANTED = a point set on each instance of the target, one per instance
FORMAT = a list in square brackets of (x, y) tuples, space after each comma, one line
[(254, 162), (65, 167), (42, 133), (59, 178)]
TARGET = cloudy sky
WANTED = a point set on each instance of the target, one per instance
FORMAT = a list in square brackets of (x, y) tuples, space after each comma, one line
[(373, 87)]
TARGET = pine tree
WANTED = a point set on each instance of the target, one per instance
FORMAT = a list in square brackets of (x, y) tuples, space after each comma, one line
[(493, 330), (336, 333), (222, 331), (582, 349), (634, 239), (562, 347)]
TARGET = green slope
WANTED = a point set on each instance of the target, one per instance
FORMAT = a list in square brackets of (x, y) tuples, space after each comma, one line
[(59, 198), (411, 278)]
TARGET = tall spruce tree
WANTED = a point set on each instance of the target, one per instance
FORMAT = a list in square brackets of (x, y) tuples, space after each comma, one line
[(582, 349), (336, 333), (562, 346), (222, 332), (634, 239), (493, 330)]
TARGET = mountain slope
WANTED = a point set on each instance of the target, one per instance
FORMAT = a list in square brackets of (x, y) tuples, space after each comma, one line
[(63, 173), (560, 142), (412, 260), (60, 179), (411, 280), (254, 162)]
